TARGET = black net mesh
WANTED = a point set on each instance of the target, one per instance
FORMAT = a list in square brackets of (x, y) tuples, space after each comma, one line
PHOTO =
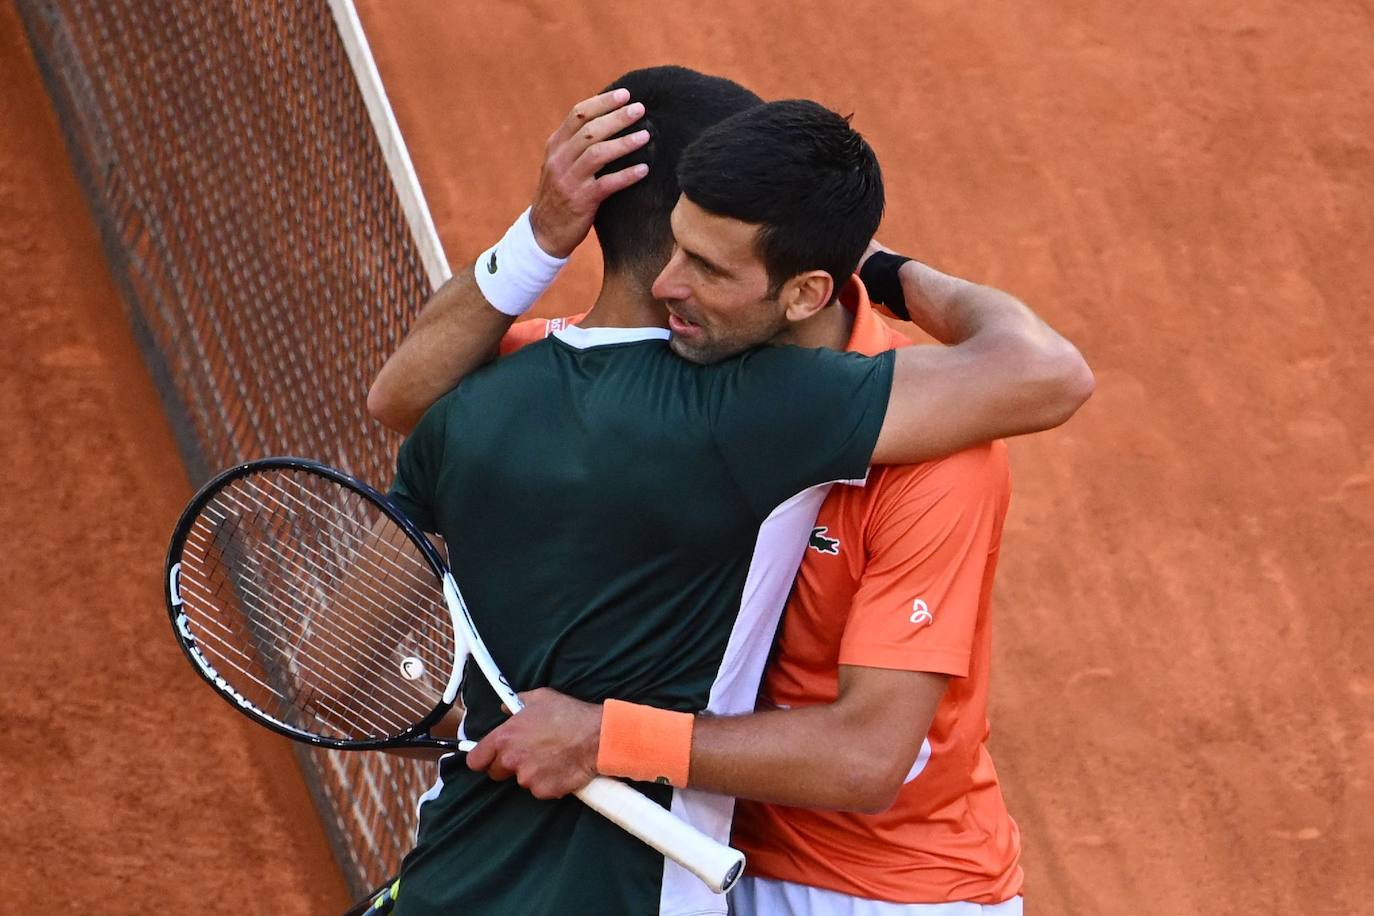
[(249, 215)]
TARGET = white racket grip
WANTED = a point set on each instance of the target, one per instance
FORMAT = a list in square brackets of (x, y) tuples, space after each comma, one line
[(715, 863)]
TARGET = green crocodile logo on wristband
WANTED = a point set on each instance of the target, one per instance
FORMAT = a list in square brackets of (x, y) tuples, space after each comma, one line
[(491, 264)]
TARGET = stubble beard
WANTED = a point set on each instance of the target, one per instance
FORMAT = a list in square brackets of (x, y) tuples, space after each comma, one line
[(711, 351), (717, 348)]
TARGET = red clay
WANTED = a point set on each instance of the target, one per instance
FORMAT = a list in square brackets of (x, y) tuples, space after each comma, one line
[(128, 786), (1184, 698)]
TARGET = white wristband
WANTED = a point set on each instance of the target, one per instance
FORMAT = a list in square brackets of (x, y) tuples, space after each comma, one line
[(515, 271)]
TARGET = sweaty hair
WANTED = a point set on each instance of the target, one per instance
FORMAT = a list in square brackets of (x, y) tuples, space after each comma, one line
[(803, 174), (633, 225)]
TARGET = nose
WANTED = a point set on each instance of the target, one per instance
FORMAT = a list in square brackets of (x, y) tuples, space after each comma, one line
[(667, 285)]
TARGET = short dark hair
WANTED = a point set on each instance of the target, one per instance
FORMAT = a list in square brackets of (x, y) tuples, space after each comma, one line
[(633, 225), (800, 171)]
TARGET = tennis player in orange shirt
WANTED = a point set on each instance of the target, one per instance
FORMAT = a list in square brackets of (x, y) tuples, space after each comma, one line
[(864, 780)]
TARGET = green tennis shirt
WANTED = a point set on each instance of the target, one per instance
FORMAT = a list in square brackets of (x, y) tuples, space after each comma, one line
[(609, 511)]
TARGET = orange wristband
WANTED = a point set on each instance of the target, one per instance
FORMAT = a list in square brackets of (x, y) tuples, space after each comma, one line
[(644, 743)]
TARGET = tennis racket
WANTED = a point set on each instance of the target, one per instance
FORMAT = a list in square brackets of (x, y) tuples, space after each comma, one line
[(378, 903), (317, 609)]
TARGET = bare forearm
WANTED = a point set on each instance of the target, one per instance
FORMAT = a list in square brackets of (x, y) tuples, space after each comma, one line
[(797, 757), (849, 755), (1042, 370), (994, 327), (953, 310), (1004, 372), (852, 754), (456, 332)]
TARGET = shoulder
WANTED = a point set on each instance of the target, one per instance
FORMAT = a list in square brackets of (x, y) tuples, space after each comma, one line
[(980, 472), (436, 417), (769, 364), (981, 463)]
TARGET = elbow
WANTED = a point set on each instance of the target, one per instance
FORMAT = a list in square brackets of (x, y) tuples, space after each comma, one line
[(1062, 382), (386, 410), (378, 404), (876, 800), (871, 785), (1075, 381)]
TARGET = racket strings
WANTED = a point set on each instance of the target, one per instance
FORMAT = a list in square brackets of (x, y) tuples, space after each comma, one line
[(418, 580), (243, 666), (332, 660), (289, 691), (395, 624), (305, 558), (416, 572), (315, 607), (298, 551), (227, 641), (376, 591)]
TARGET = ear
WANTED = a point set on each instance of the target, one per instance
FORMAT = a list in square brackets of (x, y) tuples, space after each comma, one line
[(806, 294)]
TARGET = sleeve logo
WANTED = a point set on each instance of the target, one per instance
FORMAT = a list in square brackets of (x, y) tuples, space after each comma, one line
[(822, 544), (491, 264), (920, 613)]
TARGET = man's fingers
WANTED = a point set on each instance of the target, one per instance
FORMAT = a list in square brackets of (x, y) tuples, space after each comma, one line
[(481, 756), (588, 110), (598, 154), (607, 185), (542, 788), (566, 151), (488, 757), (612, 123)]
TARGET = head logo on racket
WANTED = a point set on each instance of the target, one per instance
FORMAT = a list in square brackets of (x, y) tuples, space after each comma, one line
[(174, 585), (412, 668)]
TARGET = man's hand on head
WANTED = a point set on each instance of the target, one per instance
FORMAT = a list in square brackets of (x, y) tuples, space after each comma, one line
[(569, 190), (549, 747)]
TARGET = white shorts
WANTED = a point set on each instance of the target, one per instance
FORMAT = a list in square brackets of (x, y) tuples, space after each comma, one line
[(766, 897)]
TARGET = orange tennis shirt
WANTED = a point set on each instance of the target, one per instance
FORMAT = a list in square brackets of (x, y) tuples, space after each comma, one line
[(898, 575)]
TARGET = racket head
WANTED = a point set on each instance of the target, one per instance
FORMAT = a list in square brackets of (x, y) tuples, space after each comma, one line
[(253, 562)]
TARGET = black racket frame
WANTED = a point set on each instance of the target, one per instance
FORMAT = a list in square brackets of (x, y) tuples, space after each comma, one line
[(418, 734)]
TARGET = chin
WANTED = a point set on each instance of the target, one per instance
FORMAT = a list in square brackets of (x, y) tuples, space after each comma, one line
[(688, 352), (707, 353)]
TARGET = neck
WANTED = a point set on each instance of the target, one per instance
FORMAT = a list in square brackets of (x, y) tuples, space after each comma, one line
[(625, 303), (830, 328)]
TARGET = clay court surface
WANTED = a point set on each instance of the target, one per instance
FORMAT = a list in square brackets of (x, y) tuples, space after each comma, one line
[(1184, 689)]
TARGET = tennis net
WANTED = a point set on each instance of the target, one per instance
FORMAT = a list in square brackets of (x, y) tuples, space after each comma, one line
[(259, 212)]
